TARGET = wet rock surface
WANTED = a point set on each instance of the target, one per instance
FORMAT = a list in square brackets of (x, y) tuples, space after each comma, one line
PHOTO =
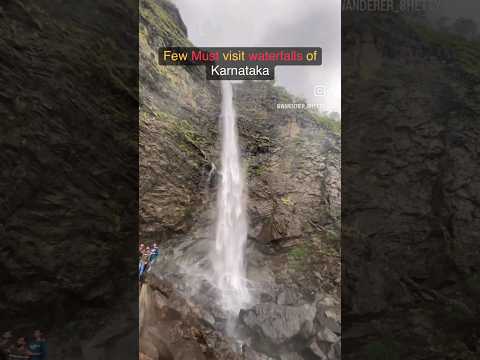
[(264, 331), (410, 219), (278, 323), (68, 176), (170, 326)]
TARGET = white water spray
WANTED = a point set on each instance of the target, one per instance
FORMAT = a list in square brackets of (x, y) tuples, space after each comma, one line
[(231, 230)]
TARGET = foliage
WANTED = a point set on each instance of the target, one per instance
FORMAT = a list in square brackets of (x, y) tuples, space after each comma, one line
[(257, 169), (333, 240), (298, 253), (465, 52), (188, 132), (328, 123), (153, 14), (282, 94)]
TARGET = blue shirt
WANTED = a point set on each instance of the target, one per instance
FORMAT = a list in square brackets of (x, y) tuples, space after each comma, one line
[(154, 254), (39, 349)]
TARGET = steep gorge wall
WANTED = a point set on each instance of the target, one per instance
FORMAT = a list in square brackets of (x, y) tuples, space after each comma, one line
[(68, 173), (411, 217), (178, 114)]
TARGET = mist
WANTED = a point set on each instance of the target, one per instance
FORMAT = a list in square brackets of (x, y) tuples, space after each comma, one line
[(276, 23)]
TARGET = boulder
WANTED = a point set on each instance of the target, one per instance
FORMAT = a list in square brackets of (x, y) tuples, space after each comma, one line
[(278, 323), (319, 350), (291, 356), (288, 297), (328, 313), (326, 335), (251, 354), (171, 328)]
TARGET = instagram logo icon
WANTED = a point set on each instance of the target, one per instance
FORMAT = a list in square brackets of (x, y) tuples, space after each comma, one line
[(320, 90)]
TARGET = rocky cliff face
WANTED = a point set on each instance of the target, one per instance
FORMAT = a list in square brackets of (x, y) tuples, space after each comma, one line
[(411, 217), (177, 127), (171, 327), (68, 179), (292, 160), (67, 206)]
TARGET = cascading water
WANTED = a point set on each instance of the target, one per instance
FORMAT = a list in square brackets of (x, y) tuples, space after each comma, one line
[(231, 227)]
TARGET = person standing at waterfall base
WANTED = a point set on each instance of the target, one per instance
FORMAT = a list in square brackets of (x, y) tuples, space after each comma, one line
[(154, 254), (144, 263), (141, 268), (38, 346), (5, 345), (20, 350), (141, 249)]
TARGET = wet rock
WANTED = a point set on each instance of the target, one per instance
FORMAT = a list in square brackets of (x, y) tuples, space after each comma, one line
[(207, 317), (324, 350), (321, 352), (251, 354), (328, 314), (68, 173), (412, 210), (335, 351), (143, 356), (326, 335), (277, 323), (152, 346), (264, 297), (172, 327), (288, 297), (326, 300), (112, 339), (291, 356)]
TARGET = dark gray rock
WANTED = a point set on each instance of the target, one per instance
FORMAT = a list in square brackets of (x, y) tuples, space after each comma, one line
[(289, 297), (251, 354), (170, 324), (319, 350), (276, 323), (291, 356), (411, 238), (326, 335)]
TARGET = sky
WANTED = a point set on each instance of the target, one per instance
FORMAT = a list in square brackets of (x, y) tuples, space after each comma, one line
[(457, 8), (286, 23)]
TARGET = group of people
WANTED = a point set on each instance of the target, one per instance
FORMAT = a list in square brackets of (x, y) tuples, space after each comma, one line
[(22, 348), (147, 256)]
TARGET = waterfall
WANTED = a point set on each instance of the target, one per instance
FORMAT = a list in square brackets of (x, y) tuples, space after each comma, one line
[(211, 173), (231, 227)]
